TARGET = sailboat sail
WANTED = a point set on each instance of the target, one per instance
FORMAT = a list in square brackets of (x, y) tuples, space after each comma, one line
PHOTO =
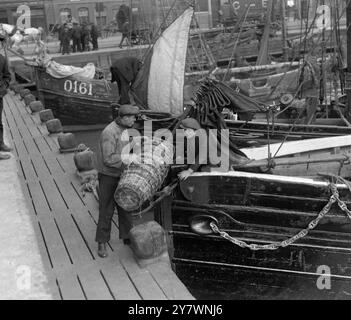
[(160, 82)]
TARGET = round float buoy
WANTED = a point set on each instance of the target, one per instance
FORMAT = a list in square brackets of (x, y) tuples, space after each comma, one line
[(28, 99), (36, 106), (54, 126), (24, 92), (84, 160), (67, 141), (148, 240), (46, 115)]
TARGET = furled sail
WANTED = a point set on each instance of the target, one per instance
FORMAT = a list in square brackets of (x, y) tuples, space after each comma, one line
[(160, 82)]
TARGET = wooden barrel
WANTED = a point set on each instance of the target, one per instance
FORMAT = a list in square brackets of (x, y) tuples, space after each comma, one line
[(140, 182)]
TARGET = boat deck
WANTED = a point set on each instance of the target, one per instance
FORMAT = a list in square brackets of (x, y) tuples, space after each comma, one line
[(64, 222)]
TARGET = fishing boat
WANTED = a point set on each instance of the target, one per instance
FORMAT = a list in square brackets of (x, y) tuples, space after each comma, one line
[(280, 233), (76, 100)]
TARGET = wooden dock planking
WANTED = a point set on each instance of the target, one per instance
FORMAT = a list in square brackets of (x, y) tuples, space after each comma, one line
[(142, 279), (70, 287), (120, 285), (173, 288), (65, 223)]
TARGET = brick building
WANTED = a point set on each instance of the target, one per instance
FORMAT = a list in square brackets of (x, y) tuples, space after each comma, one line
[(48, 12), (96, 11), (8, 11)]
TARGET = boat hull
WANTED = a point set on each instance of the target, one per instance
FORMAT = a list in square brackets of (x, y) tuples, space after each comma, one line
[(261, 209), (77, 101)]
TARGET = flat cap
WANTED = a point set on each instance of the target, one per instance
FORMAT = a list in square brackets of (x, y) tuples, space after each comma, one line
[(190, 123), (128, 110)]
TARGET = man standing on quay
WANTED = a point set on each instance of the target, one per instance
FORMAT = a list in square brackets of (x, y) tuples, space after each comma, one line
[(110, 167), (5, 78)]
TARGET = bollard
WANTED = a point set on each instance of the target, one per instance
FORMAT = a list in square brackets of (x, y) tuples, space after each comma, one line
[(46, 115), (148, 240), (24, 92), (18, 89), (84, 160), (67, 141), (28, 99), (36, 106), (54, 126), (13, 86)]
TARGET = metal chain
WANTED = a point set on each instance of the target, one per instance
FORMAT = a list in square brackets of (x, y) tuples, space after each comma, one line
[(274, 246)]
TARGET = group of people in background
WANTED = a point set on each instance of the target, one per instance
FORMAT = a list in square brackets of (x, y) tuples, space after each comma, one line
[(75, 37)]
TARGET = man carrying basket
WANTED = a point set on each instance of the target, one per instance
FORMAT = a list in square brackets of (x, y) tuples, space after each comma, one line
[(110, 168)]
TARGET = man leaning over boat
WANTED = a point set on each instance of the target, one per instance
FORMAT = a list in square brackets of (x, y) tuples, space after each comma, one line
[(202, 148)]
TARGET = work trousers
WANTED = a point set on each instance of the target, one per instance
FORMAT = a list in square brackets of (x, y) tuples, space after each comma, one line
[(1, 107), (94, 41), (107, 188), (77, 45), (65, 47), (123, 87)]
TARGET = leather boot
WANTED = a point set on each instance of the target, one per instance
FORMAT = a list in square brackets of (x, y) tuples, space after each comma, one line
[(102, 252), (3, 146), (4, 156)]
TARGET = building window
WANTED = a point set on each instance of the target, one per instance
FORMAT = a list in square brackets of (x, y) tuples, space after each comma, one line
[(83, 15), (101, 21), (3, 17), (64, 14), (101, 17)]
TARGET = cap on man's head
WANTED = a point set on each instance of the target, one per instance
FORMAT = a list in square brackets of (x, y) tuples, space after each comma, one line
[(190, 123), (128, 110)]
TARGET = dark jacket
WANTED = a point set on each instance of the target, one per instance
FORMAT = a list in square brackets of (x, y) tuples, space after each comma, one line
[(94, 32), (66, 36), (127, 66), (76, 32), (5, 76)]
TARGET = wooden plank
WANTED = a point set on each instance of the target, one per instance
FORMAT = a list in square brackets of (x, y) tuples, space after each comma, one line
[(59, 206), (293, 147), (93, 283), (70, 287), (169, 282), (141, 278), (118, 280), (67, 222)]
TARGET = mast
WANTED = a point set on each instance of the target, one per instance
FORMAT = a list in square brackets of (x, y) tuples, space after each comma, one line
[(284, 30), (348, 74), (263, 56)]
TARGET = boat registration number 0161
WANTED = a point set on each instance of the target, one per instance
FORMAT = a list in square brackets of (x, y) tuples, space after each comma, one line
[(78, 87)]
